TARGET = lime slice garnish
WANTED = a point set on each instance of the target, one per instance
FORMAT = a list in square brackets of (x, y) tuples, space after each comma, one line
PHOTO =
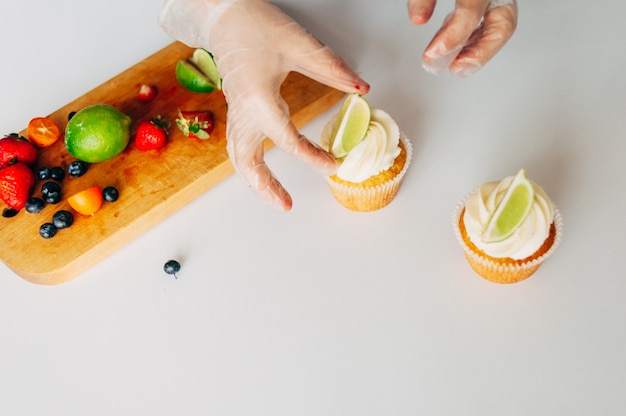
[(191, 78), (351, 126), (511, 211), (199, 73), (204, 61)]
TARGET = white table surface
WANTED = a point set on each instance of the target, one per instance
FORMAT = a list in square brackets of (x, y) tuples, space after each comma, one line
[(323, 311)]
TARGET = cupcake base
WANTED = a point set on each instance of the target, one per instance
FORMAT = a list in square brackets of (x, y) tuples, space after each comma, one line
[(506, 270), (376, 192)]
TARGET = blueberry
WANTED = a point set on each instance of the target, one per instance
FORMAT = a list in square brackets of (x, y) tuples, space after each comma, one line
[(57, 173), (34, 205), (51, 192), (47, 230), (9, 212), (172, 267), (62, 219), (77, 168), (110, 194), (43, 173)]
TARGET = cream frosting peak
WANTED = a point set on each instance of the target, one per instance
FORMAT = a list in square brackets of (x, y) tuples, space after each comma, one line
[(481, 204), (374, 154)]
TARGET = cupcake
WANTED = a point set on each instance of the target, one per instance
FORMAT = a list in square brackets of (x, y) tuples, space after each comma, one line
[(517, 253), (369, 175)]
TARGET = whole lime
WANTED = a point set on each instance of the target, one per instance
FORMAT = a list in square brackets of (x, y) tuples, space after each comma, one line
[(97, 132)]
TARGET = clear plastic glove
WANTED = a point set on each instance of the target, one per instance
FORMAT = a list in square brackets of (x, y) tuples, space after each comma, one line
[(255, 46), (471, 35)]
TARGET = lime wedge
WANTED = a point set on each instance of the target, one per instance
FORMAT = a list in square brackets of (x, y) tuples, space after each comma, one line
[(511, 211), (204, 61), (351, 126), (199, 73), (191, 78)]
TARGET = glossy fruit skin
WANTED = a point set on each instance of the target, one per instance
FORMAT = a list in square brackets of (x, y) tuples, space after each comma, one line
[(87, 201), (97, 133), (110, 194), (14, 148), (47, 230), (77, 168), (43, 173), (171, 267), (51, 192), (151, 134), (57, 173), (43, 131), (16, 181), (188, 76), (62, 219), (34, 205)]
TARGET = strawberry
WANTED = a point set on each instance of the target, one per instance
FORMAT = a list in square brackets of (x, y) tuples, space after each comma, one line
[(15, 148), (16, 181), (198, 124), (147, 92), (151, 134)]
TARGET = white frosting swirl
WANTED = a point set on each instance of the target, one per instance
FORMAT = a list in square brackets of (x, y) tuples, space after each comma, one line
[(374, 154), (484, 200)]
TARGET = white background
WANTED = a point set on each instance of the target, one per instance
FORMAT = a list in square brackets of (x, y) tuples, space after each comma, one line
[(323, 311)]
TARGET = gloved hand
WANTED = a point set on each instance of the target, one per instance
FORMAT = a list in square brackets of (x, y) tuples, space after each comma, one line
[(255, 46), (471, 35)]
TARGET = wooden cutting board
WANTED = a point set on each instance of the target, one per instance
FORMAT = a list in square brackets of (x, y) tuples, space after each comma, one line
[(152, 185)]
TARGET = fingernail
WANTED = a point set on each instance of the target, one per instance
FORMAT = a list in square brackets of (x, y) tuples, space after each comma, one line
[(278, 198), (466, 70), (432, 69), (437, 58)]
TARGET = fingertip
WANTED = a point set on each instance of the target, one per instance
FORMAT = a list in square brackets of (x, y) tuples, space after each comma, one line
[(282, 205), (420, 11), (275, 195), (362, 88), (419, 19), (306, 151), (287, 204), (279, 198), (326, 163)]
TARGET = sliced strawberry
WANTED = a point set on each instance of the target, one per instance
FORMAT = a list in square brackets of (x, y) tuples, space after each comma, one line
[(16, 181), (198, 124), (14, 148), (147, 92), (151, 134)]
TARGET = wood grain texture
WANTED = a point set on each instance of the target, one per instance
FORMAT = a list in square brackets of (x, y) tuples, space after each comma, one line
[(152, 185)]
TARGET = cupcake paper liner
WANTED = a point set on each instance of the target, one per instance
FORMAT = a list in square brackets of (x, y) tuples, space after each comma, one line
[(374, 197), (507, 270)]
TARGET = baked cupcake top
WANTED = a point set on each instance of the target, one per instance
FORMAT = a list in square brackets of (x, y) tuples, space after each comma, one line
[(374, 154), (526, 239)]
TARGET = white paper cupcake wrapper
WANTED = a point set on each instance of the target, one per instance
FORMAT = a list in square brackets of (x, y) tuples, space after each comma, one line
[(500, 267)]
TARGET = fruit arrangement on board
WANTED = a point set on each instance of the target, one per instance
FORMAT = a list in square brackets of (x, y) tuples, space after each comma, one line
[(173, 151), (94, 134)]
